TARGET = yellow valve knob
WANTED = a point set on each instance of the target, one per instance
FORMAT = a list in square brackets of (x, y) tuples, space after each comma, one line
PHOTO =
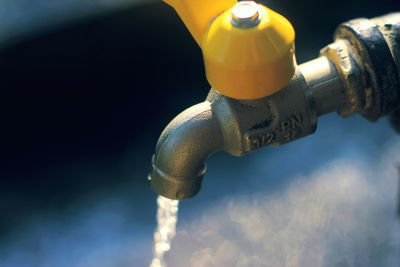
[(248, 50)]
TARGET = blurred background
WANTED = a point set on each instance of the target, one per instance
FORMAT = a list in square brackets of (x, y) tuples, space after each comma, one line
[(87, 86)]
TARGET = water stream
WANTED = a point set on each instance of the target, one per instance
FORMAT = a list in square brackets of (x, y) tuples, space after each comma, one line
[(167, 216)]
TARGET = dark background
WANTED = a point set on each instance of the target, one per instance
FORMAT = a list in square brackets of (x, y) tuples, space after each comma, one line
[(83, 103)]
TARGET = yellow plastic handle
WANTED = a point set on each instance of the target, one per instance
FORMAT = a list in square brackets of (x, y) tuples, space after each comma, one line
[(241, 62), (197, 14), (249, 63)]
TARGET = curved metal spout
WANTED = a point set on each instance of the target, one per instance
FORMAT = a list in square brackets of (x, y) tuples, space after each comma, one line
[(181, 151)]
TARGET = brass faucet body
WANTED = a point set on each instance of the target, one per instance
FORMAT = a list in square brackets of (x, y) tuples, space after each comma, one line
[(358, 73)]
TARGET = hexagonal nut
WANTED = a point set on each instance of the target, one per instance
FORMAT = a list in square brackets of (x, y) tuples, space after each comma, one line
[(344, 58)]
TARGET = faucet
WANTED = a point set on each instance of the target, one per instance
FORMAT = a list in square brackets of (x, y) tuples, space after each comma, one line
[(261, 97)]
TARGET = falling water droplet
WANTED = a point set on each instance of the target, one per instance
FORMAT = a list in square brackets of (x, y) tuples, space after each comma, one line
[(167, 216)]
